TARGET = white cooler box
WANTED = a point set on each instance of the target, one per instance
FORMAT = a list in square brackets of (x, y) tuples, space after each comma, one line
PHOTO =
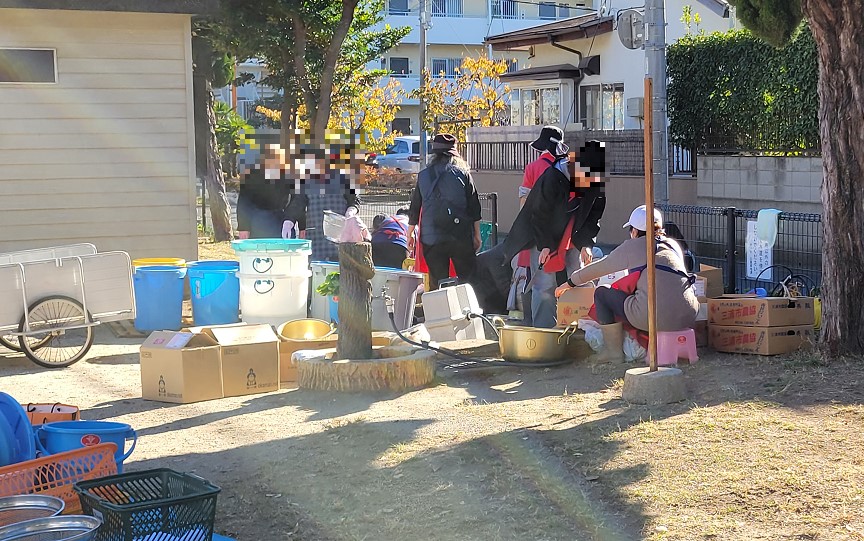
[(445, 318)]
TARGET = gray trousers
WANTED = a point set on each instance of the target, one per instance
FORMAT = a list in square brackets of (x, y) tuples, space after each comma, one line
[(544, 305)]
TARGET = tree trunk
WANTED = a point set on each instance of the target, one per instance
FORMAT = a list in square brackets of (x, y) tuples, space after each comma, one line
[(208, 166), (837, 27), (355, 300)]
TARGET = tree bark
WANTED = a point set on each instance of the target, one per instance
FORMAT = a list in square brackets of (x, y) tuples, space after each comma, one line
[(837, 27), (321, 116), (208, 164), (355, 300)]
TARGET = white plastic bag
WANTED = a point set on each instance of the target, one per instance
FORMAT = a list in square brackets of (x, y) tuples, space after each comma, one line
[(593, 334), (633, 351)]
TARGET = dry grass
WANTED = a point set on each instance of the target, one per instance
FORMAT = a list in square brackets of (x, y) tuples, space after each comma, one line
[(208, 249)]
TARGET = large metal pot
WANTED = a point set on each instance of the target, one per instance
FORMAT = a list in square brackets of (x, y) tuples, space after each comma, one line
[(533, 345)]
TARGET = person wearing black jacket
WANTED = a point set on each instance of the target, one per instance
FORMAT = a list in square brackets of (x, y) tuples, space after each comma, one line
[(263, 196), (543, 220)]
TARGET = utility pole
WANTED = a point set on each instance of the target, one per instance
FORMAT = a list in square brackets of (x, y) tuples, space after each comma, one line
[(655, 58), (424, 26)]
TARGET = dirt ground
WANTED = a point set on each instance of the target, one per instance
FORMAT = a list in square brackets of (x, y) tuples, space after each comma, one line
[(762, 449)]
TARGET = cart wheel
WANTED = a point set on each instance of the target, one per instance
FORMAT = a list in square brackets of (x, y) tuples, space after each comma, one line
[(10, 342), (50, 343)]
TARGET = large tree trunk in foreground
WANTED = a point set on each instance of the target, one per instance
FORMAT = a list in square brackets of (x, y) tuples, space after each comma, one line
[(355, 300), (208, 165), (838, 27)]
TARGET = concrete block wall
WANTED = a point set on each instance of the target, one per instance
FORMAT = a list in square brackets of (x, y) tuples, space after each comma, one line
[(749, 182)]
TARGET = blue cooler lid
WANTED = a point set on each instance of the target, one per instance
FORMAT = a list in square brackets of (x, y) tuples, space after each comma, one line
[(272, 245), (22, 444)]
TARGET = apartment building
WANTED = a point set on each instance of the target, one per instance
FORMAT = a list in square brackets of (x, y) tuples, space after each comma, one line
[(458, 30)]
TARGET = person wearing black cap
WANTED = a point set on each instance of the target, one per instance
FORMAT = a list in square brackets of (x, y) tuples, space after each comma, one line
[(447, 198), (559, 223)]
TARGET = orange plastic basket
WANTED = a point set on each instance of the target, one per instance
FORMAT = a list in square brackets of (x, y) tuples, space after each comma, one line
[(55, 475)]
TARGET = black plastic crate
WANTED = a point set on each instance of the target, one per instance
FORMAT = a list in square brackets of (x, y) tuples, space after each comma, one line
[(153, 505)]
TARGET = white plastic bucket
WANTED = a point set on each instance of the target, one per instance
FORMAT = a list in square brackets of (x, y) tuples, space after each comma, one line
[(274, 298), (263, 264)]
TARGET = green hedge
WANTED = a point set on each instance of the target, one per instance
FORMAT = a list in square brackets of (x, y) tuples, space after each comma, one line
[(733, 91)]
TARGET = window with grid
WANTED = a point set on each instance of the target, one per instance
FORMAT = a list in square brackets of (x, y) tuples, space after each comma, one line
[(601, 107), (446, 68), (504, 9), (446, 8), (401, 125)]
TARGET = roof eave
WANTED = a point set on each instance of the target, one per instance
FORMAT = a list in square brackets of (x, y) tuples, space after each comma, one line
[(503, 43)]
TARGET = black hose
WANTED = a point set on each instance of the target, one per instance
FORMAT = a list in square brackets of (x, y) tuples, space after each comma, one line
[(467, 359)]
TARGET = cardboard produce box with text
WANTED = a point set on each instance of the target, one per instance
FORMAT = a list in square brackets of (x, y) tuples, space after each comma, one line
[(180, 367), (250, 358), (713, 281), (761, 312), (575, 304), (761, 340)]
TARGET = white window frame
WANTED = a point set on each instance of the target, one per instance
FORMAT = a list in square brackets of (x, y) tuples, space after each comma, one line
[(598, 89), (54, 55), (450, 71), (562, 89)]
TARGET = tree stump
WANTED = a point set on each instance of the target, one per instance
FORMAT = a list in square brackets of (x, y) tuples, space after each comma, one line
[(394, 368), (355, 300)]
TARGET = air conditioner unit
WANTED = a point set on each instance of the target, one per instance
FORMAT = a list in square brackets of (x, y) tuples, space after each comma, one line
[(636, 107)]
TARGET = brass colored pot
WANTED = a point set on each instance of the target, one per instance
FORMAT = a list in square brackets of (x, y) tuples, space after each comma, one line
[(534, 345), (306, 329)]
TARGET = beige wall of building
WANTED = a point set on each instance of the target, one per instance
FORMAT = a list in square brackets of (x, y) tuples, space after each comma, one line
[(105, 155)]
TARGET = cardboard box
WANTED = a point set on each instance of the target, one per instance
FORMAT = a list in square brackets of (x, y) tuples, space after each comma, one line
[(713, 281), (760, 340), (761, 312), (250, 358), (700, 288), (180, 367), (574, 305)]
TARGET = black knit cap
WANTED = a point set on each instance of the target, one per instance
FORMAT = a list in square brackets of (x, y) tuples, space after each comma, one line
[(592, 158)]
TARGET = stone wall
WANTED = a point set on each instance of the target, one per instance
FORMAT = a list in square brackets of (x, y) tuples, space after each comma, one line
[(750, 182)]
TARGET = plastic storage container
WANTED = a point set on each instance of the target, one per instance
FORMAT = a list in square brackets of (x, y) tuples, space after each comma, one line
[(16, 432), (70, 435), (215, 292), (401, 285), (153, 504), (273, 257), (159, 298), (273, 299), (159, 262), (333, 225)]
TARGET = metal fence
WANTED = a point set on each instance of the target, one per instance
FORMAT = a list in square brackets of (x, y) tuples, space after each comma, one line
[(625, 154), (718, 237), (380, 200)]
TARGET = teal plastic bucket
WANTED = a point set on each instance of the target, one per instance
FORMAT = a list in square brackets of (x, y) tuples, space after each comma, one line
[(215, 292), (53, 438), (272, 245), (159, 298)]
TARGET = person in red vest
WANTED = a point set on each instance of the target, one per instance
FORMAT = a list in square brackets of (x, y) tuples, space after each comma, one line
[(558, 223), (553, 153)]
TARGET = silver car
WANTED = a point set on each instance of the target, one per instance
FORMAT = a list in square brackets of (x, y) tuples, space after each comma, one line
[(403, 155)]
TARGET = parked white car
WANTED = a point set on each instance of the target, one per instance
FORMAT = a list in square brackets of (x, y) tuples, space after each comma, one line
[(403, 155)]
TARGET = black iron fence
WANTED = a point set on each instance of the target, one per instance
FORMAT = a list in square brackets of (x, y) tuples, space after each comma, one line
[(381, 200), (719, 237)]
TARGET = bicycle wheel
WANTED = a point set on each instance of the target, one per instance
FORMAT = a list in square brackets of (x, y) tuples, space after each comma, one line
[(49, 342), (10, 342)]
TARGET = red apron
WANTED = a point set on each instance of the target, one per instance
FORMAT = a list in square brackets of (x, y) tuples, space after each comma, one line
[(419, 261)]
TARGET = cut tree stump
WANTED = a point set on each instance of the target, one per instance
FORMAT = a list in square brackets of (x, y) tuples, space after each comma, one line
[(355, 300), (395, 368)]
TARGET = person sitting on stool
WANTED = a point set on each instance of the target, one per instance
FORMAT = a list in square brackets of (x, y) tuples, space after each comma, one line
[(390, 240)]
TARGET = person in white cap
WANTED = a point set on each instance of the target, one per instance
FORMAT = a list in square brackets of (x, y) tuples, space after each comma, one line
[(679, 306)]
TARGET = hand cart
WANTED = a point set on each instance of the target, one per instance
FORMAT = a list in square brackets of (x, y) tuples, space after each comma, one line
[(52, 298)]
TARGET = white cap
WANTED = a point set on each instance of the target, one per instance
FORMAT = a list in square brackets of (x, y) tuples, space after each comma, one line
[(638, 219)]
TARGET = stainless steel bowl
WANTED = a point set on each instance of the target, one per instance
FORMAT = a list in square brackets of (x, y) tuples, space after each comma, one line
[(14, 509), (60, 528)]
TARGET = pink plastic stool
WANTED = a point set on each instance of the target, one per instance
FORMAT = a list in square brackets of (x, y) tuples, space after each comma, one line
[(674, 345)]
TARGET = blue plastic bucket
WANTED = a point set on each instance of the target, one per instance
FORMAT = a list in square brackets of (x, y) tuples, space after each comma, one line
[(334, 309), (159, 298), (215, 292), (16, 433), (53, 438)]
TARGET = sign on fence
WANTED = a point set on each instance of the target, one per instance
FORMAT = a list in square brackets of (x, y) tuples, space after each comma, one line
[(759, 255)]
